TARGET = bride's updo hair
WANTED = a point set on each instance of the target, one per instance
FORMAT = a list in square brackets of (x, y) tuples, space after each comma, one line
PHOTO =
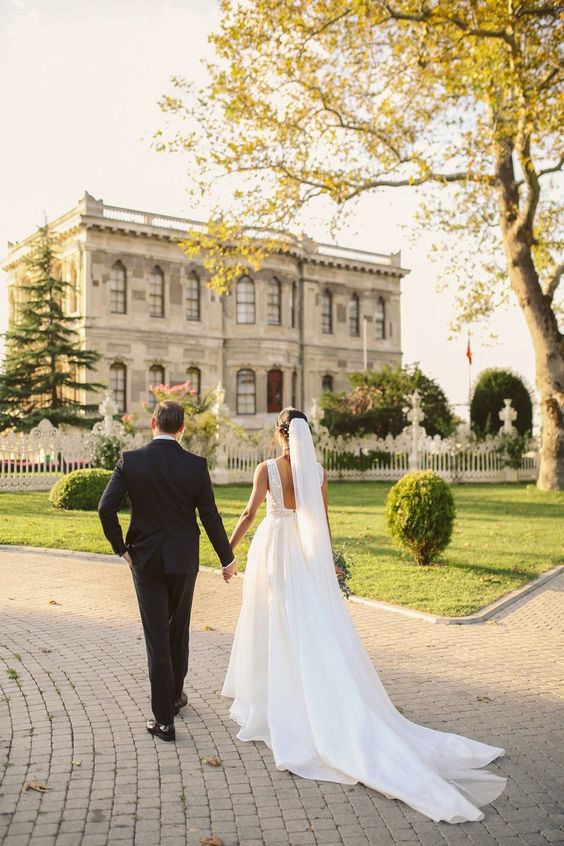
[(285, 418)]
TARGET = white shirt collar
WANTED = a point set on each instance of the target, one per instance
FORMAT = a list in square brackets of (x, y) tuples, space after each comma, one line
[(164, 437)]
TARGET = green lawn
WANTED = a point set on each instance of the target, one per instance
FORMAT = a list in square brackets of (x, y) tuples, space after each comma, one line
[(504, 536)]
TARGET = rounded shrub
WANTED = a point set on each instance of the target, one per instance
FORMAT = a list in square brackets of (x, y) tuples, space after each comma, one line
[(80, 490), (420, 514)]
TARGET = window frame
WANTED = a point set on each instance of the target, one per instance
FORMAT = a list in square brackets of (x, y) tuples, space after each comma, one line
[(198, 373), (240, 395), (249, 304), (274, 407), (274, 302), (156, 277), (326, 313), (354, 316), (380, 320), (193, 277), (119, 367), (117, 294)]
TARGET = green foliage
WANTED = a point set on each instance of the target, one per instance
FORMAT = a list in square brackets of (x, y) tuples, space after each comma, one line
[(80, 490), (493, 386), (513, 448), (377, 404), (343, 563), (105, 450), (44, 356), (420, 515)]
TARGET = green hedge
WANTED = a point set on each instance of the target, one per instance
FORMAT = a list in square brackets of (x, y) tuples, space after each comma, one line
[(420, 514), (80, 490)]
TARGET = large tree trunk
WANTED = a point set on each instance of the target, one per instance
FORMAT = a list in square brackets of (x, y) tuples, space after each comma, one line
[(548, 342)]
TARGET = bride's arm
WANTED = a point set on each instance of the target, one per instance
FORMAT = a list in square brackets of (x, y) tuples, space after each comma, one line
[(324, 493), (260, 487)]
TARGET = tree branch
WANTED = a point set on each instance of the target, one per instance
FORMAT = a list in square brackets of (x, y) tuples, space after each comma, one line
[(553, 282), (427, 17), (555, 169)]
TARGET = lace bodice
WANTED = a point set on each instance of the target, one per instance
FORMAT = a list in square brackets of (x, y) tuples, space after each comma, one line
[(275, 495)]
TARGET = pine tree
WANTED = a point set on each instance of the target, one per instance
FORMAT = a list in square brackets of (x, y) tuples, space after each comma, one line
[(44, 358)]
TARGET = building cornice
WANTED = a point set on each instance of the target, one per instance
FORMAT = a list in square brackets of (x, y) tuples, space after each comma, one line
[(95, 214)]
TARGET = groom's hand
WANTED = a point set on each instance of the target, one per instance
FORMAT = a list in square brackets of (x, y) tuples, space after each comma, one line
[(127, 557), (230, 571)]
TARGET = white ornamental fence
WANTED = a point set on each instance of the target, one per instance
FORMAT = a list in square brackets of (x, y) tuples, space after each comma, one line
[(35, 460), (457, 459)]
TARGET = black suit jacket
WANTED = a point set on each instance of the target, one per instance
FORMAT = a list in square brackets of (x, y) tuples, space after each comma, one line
[(165, 485)]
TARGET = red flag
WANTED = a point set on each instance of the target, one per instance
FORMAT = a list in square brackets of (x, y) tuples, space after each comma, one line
[(469, 351)]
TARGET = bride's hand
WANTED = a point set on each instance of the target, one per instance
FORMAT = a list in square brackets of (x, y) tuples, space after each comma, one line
[(229, 571)]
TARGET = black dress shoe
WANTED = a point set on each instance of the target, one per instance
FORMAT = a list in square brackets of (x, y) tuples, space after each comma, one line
[(164, 732), (180, 703)]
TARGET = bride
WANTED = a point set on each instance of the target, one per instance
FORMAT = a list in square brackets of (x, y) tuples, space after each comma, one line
[(299, 675)]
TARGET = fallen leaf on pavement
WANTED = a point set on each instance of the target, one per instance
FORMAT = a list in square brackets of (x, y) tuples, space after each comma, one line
[(54, 602), (484, 698), (211, 841), (76, 762), (208, 629), (211, 762), (34, 785), (45, 649)]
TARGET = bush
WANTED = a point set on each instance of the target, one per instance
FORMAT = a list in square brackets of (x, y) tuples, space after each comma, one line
[(106, 450), (80, 490), (493, 386), (420, 514)]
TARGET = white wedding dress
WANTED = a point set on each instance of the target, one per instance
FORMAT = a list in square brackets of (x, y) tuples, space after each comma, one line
[(303, 683)]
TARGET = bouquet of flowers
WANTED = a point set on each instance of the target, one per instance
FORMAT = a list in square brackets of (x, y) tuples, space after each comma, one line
[(343, 565)]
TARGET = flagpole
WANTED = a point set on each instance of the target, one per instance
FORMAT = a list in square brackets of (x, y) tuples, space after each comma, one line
[(469, 357)]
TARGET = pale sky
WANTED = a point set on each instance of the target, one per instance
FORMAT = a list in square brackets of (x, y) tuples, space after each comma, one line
[(79, 84)]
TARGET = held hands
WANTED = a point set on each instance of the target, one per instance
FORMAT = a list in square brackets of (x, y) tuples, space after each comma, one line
[(230, 571)]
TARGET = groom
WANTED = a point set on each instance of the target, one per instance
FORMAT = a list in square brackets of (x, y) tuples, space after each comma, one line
[(165, 485)]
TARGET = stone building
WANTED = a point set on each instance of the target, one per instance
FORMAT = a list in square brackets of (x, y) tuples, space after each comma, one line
[(283, 335)]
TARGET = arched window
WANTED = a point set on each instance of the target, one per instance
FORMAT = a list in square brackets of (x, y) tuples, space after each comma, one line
[(194, 376), (246, 392), (118, 289), (118, 374), (327, 383), (293, 305), (326, 313), (354, 316), (294, 399), (156, 292), (156, 379), (274, 303), (245, 296), (274, 387), (193, 296), (380, 319)]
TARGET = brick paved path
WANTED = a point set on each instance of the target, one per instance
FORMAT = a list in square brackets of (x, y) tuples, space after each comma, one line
[(74, 720)]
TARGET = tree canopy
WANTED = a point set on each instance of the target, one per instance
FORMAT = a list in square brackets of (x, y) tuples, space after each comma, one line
[(377, 404), (324, 102), (45, 361), (492, 387)]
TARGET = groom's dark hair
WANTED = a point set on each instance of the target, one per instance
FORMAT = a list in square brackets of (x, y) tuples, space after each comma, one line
[(169, 416)]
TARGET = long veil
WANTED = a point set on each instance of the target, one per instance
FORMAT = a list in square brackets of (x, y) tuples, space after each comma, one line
[(310, 509)]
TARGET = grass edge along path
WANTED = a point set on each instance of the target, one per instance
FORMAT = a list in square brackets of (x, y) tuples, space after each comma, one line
[(504, 536)]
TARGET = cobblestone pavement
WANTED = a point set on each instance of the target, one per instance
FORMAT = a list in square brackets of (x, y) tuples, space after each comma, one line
[(75, 697)]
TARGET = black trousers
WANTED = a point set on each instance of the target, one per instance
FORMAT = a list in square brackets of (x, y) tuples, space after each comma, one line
[(165, 603)]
